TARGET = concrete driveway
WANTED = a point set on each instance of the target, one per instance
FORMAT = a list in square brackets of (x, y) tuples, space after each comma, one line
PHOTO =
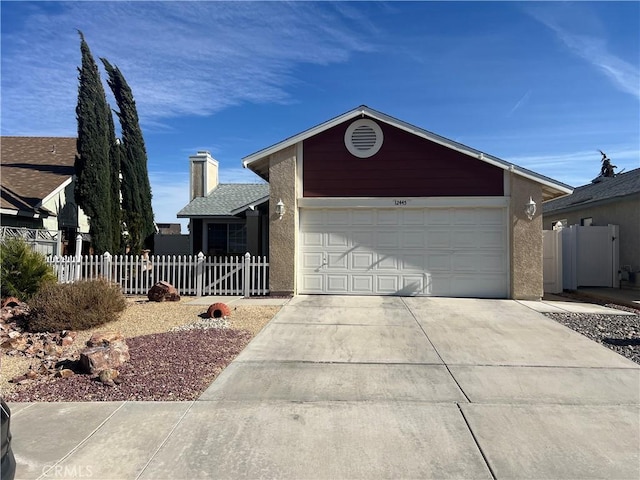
[(369, 387)]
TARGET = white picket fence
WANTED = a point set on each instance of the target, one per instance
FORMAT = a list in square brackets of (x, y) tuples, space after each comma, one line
[(191, 274)]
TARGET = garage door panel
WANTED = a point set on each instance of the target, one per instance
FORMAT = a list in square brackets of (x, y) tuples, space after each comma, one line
[(439, 216), (387, 261), (426, 251), (362, 260), (413, 285), (363, 217), (338, 217), (388, 217), (312, 239), (464, 238), (337, 260), (490, 239), (363, 240), (412, 262), (313, 283), (438, 238), (466, 216), (387, 284), (388, 239), (439, 262), (467, 262), (362, 284), (337, 283), (413, 239), (312, 260), (413, 217)]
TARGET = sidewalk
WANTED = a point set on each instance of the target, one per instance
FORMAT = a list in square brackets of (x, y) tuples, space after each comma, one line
[(622, 296)]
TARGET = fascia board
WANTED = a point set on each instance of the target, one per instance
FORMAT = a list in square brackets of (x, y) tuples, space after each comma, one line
[(255, 203), (60, 187)]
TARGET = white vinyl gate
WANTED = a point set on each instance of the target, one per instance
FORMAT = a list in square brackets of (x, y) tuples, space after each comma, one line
[(584, 257)]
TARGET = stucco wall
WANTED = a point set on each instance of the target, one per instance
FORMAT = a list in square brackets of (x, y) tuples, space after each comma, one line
[(526, 241), (282, 231), (623, 212)]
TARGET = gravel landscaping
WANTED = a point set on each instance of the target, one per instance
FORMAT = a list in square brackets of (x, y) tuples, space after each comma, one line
[(176, 352), (620, 333)]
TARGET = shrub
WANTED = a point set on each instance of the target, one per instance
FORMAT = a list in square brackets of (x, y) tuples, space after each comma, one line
[(23, 271), (75, 306)]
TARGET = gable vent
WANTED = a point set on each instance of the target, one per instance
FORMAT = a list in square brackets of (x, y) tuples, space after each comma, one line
[(363, 138)]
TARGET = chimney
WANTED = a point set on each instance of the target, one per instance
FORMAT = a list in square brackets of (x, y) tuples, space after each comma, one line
[(204, 174)]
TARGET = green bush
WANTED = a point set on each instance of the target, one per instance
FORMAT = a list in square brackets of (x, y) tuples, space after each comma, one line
[(24, 271), (75, 306)]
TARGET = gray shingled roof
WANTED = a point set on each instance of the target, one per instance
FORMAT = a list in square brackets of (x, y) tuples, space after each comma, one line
[(224, 199), (621, 185)]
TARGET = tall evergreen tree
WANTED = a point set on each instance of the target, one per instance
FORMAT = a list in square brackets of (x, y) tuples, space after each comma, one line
[(135, 188), (94, 185)]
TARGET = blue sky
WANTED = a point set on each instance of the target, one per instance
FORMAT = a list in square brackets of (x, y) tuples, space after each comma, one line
[(541, 84)]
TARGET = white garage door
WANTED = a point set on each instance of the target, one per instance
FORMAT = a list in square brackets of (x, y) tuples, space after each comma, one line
[(458, 252)]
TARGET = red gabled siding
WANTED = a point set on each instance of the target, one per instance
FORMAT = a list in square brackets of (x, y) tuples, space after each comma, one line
[(405, 166)]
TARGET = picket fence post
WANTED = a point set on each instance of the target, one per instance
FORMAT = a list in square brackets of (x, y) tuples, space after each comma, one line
[(200, 275), (78, 259), (246, 275), (106, 266)]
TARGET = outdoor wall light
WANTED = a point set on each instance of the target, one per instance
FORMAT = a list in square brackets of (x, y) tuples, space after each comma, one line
[(530, 208), (280, 209)]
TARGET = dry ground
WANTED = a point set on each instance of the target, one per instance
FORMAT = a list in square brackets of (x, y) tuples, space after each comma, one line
[(143, 317)]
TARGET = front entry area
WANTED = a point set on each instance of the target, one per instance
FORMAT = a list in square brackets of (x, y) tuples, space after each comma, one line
[(437, 251)]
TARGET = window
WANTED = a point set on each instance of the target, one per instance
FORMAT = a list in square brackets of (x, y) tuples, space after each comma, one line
[(586, 222), (226, 238)]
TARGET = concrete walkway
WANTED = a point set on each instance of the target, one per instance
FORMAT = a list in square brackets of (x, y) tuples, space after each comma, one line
[(369, 387)]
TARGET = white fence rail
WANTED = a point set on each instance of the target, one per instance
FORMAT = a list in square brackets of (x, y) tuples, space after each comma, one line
[(190, 274)]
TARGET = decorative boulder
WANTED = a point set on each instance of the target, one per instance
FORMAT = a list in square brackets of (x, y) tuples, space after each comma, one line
[(105, 350), (163, 291), (218, 310)]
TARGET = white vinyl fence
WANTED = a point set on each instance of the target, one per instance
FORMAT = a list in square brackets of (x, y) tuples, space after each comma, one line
[(191, 274)]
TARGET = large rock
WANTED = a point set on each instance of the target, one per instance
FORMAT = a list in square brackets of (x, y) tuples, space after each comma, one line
[(105, 352), (163, 291), (100, 339)]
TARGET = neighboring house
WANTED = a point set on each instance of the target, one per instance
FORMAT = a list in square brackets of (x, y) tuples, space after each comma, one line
[(607, 200), (366, 204), (225, 219), (37, 175)]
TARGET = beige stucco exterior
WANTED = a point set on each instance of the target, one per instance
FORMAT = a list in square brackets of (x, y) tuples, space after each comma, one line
[(282, 231), (525, 238)]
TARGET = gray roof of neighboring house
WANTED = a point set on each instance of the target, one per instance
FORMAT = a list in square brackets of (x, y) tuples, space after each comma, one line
[(607, 188), (226, 199)]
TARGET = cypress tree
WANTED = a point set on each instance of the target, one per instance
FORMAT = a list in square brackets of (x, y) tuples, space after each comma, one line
[(135, 188), (93, 163)]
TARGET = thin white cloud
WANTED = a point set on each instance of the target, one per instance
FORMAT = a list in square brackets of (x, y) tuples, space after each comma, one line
[(520, 103), (180, 58), (593, 48)]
